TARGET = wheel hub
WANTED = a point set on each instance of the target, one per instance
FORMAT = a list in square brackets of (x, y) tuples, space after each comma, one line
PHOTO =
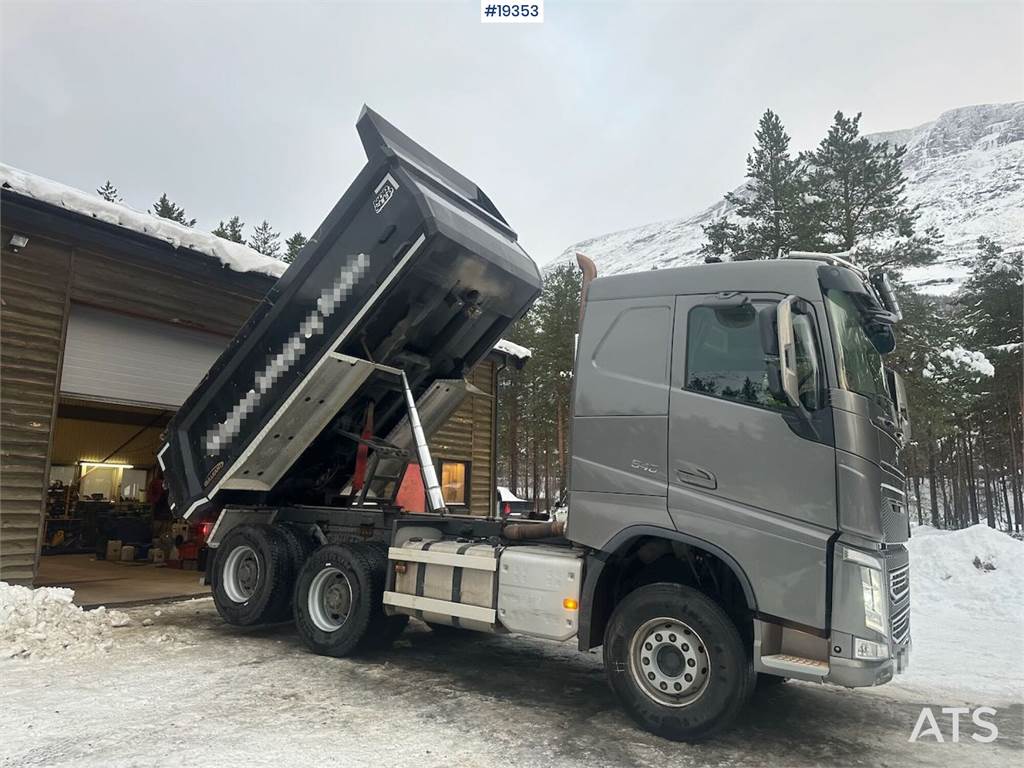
[(669, 662), (241, 573), (330, 599)]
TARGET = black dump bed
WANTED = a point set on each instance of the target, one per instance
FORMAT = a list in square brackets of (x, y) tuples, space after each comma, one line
[(414, 269)]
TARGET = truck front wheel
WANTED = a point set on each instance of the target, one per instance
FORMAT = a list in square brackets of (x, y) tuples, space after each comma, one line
[(676, 662)]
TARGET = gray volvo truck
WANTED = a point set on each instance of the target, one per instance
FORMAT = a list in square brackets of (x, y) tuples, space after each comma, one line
[(735, 506)]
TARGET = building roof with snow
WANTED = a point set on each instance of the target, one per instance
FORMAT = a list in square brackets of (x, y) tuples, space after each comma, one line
[(235, 256), (186, 241), (513, 350)]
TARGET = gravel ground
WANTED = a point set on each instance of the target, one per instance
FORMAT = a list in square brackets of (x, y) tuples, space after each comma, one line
[(191, 691)]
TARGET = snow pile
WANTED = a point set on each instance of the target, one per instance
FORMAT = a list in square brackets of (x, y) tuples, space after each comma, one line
[(967, 620), (44, 622), (233, 255)]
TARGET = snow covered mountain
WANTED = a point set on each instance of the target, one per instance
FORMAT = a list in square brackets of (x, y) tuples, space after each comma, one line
[(965, 170)]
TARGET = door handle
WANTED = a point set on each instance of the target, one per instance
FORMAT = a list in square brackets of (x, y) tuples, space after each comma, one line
[(694, 475)]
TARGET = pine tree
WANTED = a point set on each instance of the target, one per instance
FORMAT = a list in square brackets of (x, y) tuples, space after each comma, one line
[(534, 411), (264, 239), (990, 300), (232, 230), (168, 210), (557, 313), (857, 186), (292, 246), (514, 398), (109, 193), (961, 361), (726, 238), (771, 202), (991, 311)]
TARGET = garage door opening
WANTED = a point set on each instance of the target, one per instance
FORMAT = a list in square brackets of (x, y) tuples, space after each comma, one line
[(107, 531)]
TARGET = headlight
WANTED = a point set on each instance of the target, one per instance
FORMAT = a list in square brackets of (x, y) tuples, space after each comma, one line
[(874, 599), (871, 587)]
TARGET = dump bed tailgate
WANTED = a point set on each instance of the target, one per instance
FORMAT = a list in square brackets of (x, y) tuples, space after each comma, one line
[(414, 270)]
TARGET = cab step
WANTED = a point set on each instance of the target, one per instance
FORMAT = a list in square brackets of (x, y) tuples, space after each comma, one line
[(794, 665)]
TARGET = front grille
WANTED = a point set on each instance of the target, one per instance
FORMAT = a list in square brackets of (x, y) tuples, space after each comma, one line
[(898, 569), (901, 624), (899, 584)]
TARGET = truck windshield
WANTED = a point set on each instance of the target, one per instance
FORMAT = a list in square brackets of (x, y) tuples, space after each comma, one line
[(857, 360)]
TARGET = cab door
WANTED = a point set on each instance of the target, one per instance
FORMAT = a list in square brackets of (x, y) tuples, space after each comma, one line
[(747, 472)]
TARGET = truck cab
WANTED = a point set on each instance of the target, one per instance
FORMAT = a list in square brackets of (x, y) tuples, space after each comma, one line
[(733, 431)]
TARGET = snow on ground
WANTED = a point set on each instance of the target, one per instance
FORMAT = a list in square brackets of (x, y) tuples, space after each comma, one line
[(236, 256), (44, 622), (966, 621), (190, 690), (177, 681)]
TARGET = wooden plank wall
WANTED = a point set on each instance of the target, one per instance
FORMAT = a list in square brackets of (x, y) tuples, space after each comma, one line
[(36, 288), (33, 312), (103, 281), (468, 436)]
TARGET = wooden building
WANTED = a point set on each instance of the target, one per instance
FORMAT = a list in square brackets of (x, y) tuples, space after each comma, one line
[(108, 320)]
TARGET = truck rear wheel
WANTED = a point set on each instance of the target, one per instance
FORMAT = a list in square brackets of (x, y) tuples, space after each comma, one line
[(384, 629), (252, 576), (299, 546), (338, 601), (676, 662)]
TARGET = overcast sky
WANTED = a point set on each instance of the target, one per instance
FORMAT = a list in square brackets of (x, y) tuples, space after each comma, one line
[(604, 117)]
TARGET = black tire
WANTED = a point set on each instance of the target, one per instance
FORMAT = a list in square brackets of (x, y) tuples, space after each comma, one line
[(767, 682), (351, 622), (299, 547), (257, 599), (383, 629), (721, 690)]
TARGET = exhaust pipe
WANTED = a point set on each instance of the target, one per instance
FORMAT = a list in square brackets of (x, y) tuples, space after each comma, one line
[(523, 531), (589, 270)]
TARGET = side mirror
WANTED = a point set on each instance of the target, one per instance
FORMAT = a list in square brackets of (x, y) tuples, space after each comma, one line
[(898, 394), (778, 340), (880, 282), (779, 345), (902, 405), (766, 320), (789, 380)]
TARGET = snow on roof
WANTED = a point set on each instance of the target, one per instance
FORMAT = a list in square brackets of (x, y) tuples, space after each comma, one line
[(505, 494), (513, 350), (233, 255)]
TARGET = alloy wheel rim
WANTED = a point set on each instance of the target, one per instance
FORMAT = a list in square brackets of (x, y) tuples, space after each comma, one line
[(241, 573), (330, 599), (669, 662)]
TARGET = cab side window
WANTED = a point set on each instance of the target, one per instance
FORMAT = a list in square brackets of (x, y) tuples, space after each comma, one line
[(724, 357)]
